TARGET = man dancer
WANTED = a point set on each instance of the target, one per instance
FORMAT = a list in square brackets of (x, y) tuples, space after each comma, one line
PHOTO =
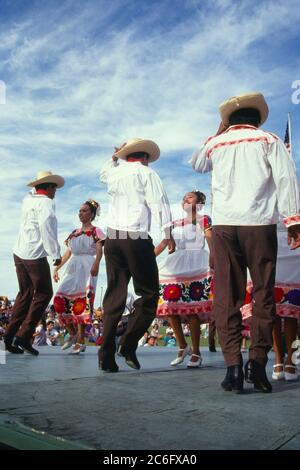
[(37, 239), (136, 194), (253, 183)]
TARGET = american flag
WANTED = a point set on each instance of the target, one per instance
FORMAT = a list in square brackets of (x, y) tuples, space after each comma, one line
[(287, 137)]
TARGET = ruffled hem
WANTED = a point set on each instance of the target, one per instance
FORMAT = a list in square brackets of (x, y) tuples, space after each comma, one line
[(203, 310), (284, 311), (187, 279), (76, 295), (69, 318)]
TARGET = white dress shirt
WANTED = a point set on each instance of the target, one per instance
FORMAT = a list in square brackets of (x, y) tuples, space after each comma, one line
[(136, 197), (253, 180), (38, 229)]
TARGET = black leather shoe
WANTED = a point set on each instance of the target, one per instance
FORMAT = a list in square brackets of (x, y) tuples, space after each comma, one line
[(107, 363), (234, 379), (11, 348), (26, 346), (255, 374), (130, 357), (212, 349)]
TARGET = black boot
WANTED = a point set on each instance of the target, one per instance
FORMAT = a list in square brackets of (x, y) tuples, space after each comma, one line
[(107, 362), (25, 345), (130, 357), (255, 374), (9, 346), (234, 379)]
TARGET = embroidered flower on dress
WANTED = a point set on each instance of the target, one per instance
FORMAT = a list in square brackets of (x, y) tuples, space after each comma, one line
[(172, 293), (196, 290), (293, 297), (278, 294), (59, 304), (79, 306)]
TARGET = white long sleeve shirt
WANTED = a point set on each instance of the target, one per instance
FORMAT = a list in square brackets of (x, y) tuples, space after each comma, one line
[(254, 178), (38, 229), (136, 197)]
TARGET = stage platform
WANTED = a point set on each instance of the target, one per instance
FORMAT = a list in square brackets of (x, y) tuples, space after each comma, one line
[(57, 400)]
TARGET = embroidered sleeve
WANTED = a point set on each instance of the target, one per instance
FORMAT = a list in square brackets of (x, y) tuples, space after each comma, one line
[(177, 223), (98, 235), (67, 241), (205, 223), (285, 178), (200, 160)]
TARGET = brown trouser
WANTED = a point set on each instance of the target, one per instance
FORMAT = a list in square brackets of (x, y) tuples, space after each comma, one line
[(35, 292), (235, 248), (125, 259)]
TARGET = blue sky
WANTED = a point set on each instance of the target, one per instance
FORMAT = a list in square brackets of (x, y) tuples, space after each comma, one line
[(82, 77)]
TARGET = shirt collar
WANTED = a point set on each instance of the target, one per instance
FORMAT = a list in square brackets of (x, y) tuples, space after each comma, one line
[(236, 127)]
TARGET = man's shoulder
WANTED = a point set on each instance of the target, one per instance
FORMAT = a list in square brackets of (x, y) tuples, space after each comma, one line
[(39, 202), (270, 135), (147, 170)]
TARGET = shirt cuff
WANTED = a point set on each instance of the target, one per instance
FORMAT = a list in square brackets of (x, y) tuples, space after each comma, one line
[(166, 225), (293, 220)]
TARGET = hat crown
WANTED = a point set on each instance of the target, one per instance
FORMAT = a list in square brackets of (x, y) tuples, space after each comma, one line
[(133, 141), (139, 145), (253, 99), (43, 174)]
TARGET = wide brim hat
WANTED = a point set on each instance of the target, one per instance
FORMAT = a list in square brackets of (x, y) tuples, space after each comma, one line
[(47, 177), (139, 145), (253, 100)]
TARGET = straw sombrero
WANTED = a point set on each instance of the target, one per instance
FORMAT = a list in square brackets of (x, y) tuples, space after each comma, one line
[(139, 145), (248, 100), (47, 177)]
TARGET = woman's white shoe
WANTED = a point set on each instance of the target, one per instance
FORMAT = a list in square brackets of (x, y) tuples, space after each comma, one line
[(76, 349), (68, 343), (287, 375), (179, 359), (197, 363), (278, 375)]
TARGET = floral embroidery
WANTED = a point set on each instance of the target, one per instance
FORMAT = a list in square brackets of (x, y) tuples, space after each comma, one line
[(79, 306), (172, 292), (287, 301), (79, 232), (204, 222), (278, 294), (59, 304), (293, 220), (194, 291), (293, 296), (74, 310)]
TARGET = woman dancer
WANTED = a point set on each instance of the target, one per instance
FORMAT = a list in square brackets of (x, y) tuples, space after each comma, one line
[(74, 299), (185, 278)]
